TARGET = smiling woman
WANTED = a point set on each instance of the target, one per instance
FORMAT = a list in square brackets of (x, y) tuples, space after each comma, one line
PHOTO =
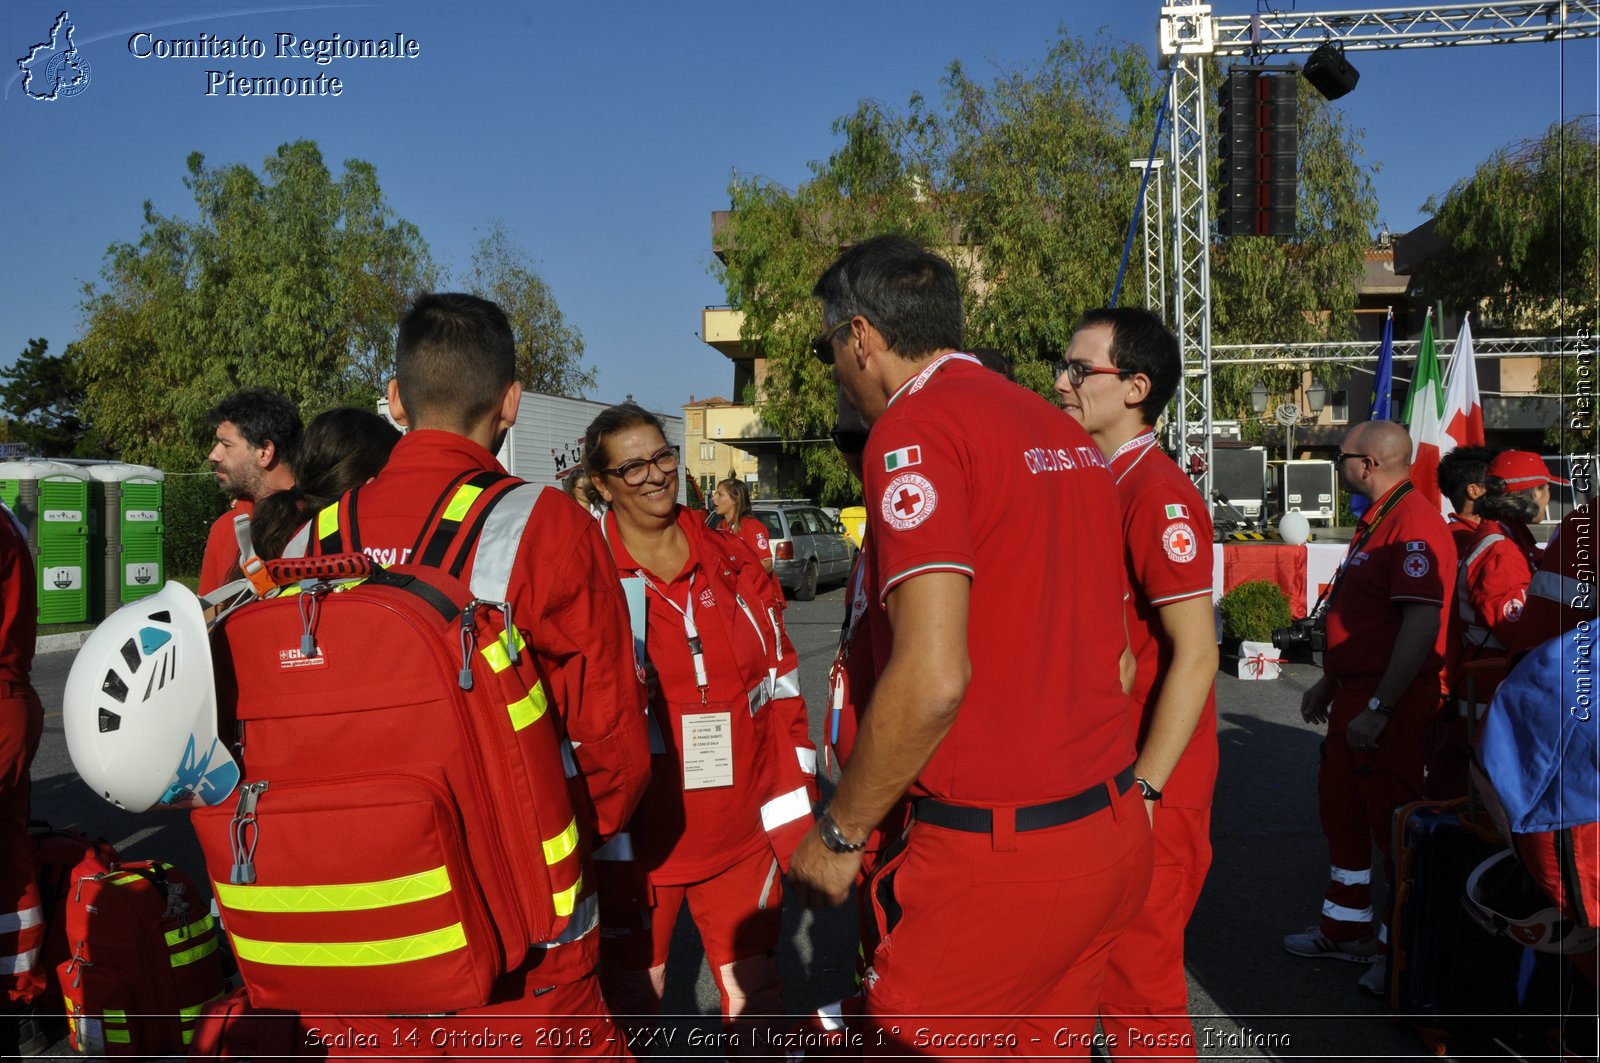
[(733, 775)]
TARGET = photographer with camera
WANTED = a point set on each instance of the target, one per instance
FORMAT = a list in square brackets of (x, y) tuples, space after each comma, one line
[(1380, 690)]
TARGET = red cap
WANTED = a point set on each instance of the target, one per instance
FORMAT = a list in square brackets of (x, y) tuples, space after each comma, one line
[(1522, 470)]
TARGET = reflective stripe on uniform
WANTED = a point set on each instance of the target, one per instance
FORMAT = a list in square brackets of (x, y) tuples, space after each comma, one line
[(620, 847), (328, 521), (462, 501), (495, 653), (562, 845), (1340, 914), (567, 898), (21, 963), (787, 685), (758, 696), (584, 919), (1346, 877), (529, 709), (497, 545), (807, 758), (341, 897), (11, 922), (1563, 590), (785, 809), (831, 1016), (352, 953)]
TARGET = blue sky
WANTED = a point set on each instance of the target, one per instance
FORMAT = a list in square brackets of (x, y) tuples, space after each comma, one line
[(603, 134)]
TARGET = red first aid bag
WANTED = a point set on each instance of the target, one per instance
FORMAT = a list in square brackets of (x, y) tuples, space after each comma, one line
[(406, 828), (143, 959), (59, 853), (230, 1029)]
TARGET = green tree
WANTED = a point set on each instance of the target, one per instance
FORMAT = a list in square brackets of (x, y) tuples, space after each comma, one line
[(1024, 184), (549, 351), (1519, 239), (289, 279), (44, 404)]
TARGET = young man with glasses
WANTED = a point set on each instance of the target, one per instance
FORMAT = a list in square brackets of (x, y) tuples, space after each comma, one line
[(1380, 692), (1120, 372), (998, 713), (456, 389)]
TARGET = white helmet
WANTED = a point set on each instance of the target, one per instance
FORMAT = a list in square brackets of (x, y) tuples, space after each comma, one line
[(1504, 899), (140, 711)]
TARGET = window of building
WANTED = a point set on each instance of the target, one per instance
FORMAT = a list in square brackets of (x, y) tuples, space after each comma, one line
[(1339, 407), (708, 452)]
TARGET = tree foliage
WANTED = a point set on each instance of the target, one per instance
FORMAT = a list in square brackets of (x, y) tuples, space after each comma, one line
[(289, 278), (1520, 238), (1024, 183), (43, 403), (549, 351)]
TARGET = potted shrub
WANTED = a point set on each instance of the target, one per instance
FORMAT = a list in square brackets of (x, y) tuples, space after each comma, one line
[(1251, 612)]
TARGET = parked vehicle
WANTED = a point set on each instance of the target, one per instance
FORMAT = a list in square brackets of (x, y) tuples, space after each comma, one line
[(808, 547)]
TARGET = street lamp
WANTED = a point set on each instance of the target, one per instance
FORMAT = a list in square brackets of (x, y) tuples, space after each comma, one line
[(1258, 398), (1317, 395)]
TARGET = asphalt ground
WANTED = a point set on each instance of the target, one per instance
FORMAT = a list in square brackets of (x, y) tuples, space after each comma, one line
[(1249, 998)]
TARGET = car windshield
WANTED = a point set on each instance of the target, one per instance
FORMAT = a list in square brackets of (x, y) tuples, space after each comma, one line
[(769, 520)]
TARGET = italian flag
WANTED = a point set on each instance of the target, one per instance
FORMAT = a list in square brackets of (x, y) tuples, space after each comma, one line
[(899, 459), (1442, 413)]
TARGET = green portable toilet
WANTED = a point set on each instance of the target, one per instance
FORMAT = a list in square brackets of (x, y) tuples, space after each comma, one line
[(19, 490), (62, 534), (133, 563)]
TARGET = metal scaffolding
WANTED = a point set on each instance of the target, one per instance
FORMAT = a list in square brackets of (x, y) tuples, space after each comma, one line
[(1190, 34)]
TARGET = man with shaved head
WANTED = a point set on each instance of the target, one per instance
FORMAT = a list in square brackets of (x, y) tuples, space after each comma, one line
[(1380, 691)]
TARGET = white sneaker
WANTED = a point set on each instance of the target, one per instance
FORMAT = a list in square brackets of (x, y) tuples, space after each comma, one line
[(1373, 981), (1315, 943)]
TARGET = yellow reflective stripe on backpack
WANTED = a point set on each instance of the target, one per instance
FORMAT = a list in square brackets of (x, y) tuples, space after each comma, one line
[(121, 1037), (338, 897), (328, 521), (114, 1015), (352, 953), (465, 495), (495, 653), (562, 845), (199, 952), (529, 709), (191, 930), (567, 899)]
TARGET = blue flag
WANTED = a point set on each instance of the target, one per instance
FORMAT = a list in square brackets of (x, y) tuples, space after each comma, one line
[(1382, 395)]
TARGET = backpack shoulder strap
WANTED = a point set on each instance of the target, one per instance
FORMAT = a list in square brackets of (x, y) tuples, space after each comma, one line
[(458, 518), (501, 535)]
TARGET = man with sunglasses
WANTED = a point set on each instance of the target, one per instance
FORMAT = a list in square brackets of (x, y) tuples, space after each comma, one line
[(455, 388), (998, 713), (1380, 692), (1120, 372)]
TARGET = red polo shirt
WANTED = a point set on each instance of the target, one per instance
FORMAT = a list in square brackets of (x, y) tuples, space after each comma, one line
[(1462, 528), (1167, 544), (222, 546), (966, 472), (19, 602), (1409, 557)]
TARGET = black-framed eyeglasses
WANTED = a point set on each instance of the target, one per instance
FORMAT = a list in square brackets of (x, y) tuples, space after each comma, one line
[(1077, 372), (1339, 458), (633, 473), (850, 441), (822, 346)]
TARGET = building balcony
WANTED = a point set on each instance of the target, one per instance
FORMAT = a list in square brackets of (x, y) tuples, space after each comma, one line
[(720, 327), (737, 425)]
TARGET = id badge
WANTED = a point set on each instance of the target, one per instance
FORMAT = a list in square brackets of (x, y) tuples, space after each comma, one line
[(707, 750)]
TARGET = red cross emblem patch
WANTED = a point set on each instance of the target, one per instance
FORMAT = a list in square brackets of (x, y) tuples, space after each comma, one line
[(1179, 542), (908, 501)]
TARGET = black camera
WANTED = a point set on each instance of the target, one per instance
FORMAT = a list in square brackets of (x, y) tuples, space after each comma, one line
[(1308, 633)]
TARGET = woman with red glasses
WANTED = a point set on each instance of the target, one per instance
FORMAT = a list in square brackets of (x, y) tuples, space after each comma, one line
[(733, 772)]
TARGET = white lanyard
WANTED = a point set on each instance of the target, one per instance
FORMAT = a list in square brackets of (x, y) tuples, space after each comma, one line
[(690, 632), (922, 378), (1147, 441)]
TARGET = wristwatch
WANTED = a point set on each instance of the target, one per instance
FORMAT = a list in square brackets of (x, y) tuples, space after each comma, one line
[(834, 838), (1150, 792), (1378, 705)]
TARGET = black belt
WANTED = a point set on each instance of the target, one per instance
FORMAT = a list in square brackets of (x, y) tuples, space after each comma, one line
[(1030, 817)]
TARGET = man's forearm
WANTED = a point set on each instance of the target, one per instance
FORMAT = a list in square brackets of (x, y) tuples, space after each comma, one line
[(1179, 706), (1419, 630)]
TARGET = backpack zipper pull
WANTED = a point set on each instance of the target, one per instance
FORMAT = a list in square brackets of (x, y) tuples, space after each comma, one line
[(468, 638), (510, 633), (245, 834)]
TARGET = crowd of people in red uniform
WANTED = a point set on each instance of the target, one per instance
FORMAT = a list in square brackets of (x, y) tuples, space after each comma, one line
[(1026, 834)]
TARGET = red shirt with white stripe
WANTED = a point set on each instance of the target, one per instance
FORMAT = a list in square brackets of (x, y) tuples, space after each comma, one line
[(969, 473), (1410, 557), (1561, 594), (19, 602), (1167, 540)]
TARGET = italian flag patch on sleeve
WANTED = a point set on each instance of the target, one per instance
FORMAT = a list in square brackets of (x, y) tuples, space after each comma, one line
[(902, 458), (1177, 512)]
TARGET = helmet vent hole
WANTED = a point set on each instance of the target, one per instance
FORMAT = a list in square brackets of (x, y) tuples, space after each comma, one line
[(162, 617), (130, 654), (114, 686), (109, 721)]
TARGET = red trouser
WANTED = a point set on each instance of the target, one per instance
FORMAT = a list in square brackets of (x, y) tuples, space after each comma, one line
[(1358, 793), (1144, 1007), (540, 1011), (996, 944), (739, 913), (21, 919)]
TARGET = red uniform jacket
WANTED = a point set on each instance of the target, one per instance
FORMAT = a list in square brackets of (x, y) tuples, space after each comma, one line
[(1562, 591), (1491, 594), (222, 547), (750, 685)]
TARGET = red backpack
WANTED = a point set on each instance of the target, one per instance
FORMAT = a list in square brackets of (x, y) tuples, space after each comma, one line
[(57, 854), (144, 959), (406, 831)]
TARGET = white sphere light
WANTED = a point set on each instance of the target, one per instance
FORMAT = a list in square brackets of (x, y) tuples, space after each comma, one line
[(1294, 528)]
